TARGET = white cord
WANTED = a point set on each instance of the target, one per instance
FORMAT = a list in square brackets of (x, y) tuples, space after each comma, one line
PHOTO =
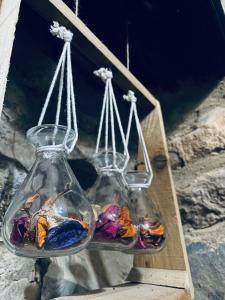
[(127, 47), (65, 59), (77, 8), (130, 97), (110, 110)]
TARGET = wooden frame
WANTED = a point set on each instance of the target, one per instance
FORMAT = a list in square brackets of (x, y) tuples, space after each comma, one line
[(169, 268)]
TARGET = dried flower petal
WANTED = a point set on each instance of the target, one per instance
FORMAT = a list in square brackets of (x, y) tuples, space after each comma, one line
[(124, 218), (129, 231), (111, 211), (41, 232), (84, 224), (140, 243), (110, 229), (65, 235), (19, 229), (30, 200), (152, 235), (102, 220)]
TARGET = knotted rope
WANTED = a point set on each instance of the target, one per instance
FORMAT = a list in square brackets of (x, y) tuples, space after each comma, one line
[(130, 97), (65, 59), (109, 109)]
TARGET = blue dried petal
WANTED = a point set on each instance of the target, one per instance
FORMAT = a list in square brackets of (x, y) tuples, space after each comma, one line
[(65, 235)]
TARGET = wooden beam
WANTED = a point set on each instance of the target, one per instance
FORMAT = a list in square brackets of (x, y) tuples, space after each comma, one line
[(170, 278), (132, 292), (91, 47), (162, 190), (9, 11)]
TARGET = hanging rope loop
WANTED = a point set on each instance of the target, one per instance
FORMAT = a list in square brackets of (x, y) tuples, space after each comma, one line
[(146, 182), (64, 63), (111, 115)]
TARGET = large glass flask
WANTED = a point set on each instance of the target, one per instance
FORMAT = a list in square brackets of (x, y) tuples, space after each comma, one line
[(151, 229), (50, 215), (114, 229)]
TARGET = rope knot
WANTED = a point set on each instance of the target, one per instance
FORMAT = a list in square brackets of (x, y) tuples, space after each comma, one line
[(104, 74), (61, 32), (130, 97)]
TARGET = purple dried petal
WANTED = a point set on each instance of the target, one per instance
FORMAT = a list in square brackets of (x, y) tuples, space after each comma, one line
[(111, 229), (18, 231), (112, 212), (140, 243)]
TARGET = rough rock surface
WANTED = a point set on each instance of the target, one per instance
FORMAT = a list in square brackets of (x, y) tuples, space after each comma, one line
[(206, 250), (203, 202), (203, 136), (18, 277), (197, 157)]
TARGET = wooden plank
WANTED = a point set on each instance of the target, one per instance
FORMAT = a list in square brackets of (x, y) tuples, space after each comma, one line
[(170, 278), (133, 292), (162, 190), (90, 46), (9, 11)]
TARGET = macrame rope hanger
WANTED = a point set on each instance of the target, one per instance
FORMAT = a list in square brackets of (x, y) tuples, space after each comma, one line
[(64, 62), (111, 114), (130, 97)]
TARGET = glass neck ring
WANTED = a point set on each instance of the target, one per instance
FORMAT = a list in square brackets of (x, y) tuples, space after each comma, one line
[(48, 151)]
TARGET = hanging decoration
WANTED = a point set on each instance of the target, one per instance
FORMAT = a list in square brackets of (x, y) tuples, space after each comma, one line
[(114, 229), (50, 215), (151, 230)]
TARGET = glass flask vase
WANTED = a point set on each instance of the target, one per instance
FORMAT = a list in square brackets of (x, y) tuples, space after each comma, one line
[(114, 229), (49, 215), (151, 230)]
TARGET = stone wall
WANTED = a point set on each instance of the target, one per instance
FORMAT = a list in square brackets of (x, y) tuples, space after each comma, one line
[(197, 150)]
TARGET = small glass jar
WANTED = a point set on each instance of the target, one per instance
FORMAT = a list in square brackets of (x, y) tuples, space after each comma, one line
[(114, 229), (151, 229), (49, 215)]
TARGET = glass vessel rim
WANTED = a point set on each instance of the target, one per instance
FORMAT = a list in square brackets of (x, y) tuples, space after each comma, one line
[(31, 130), (137, 179), (97, 157)]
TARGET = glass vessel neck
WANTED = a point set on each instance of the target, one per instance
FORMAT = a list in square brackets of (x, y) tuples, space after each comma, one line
[(50, 152), (109, 173), (138, 189)]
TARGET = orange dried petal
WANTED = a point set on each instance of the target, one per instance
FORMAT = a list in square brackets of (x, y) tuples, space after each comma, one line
[(129, 231), (125, 218), (160, 230), (31, 199), (42, 230), (75, 217), (84, 224)]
